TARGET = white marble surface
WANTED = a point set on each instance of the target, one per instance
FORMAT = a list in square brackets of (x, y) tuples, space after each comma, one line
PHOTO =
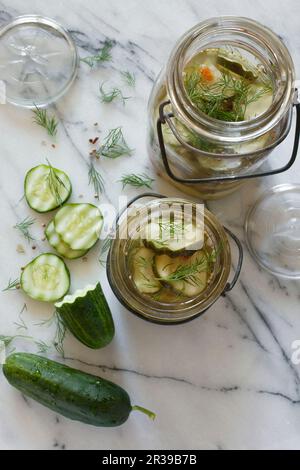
[(224, 380)]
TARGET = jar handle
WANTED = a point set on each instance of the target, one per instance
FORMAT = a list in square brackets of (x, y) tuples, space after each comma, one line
[(166, 117), (230, 285)]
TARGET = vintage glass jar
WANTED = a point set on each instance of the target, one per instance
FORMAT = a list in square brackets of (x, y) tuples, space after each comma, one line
[(206, 156), (166, 308)]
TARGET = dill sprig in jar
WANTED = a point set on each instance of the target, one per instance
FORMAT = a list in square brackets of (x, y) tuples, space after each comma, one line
[(220, 106)]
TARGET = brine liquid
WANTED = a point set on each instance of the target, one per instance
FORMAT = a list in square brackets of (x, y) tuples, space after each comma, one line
[(171, 277)]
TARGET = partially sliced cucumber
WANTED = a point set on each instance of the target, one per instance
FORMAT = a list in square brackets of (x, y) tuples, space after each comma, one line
[(191, 286), (59, 245), (143, 275), (79, 225), (46, 188), (87, 315), (45, 278), (173, 236)]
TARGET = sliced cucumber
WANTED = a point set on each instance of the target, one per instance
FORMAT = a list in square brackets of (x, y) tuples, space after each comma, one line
[(79, 225), (174, 236), (192, 285), (59, 245), (143, 275), (46, 188), (87, 315), (46, 278), (164, 266)]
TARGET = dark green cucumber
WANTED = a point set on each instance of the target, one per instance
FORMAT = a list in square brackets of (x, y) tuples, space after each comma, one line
[(87, 315), (70, 392)]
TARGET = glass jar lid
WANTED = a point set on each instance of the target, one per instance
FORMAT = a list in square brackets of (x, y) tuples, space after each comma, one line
[(38, 61), (273, 231)]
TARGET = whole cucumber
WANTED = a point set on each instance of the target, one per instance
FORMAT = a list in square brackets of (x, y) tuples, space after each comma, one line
[(70, 392)]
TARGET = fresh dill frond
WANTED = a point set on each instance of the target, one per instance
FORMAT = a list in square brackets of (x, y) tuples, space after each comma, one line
[(128, 78), (21, 325), (137, 180), (23, 227), (42, 119), (114, 145), (187, 272), (112, 95), (227, 99), (96, 180), (12, 285), (7, 340), (171, 229), (104, 55), (60, 334), (55, 184), (47, 322), (41, 345)]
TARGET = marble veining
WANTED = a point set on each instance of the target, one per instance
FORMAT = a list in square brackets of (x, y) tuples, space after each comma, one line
[(225, 380)]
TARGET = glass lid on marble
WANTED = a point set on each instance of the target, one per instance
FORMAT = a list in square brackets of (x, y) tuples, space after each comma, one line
[(273, 231), (38, 61)]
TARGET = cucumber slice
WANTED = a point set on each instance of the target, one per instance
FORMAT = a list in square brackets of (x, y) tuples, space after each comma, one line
[(79, 225), (45, 278), (87, 315), (46, 188), (143, 275), (192, 285), (59, 245), (164, 266), (174, 236)]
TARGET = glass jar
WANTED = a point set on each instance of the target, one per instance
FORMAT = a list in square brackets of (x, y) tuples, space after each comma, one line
[(167, 310), (203, 155)]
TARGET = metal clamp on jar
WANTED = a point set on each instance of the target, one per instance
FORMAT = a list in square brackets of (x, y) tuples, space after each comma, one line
[(221, 105), (170, 260)]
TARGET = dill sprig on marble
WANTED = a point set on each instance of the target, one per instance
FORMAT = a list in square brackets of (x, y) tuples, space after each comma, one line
[(137, 180), (104, 55), (112, 95), (20, 324), (114, 145), (60, 331), (12, 285), (128, 78), (41, 118), (41, 345), (96, 180), (60, 334), (23, 228)]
